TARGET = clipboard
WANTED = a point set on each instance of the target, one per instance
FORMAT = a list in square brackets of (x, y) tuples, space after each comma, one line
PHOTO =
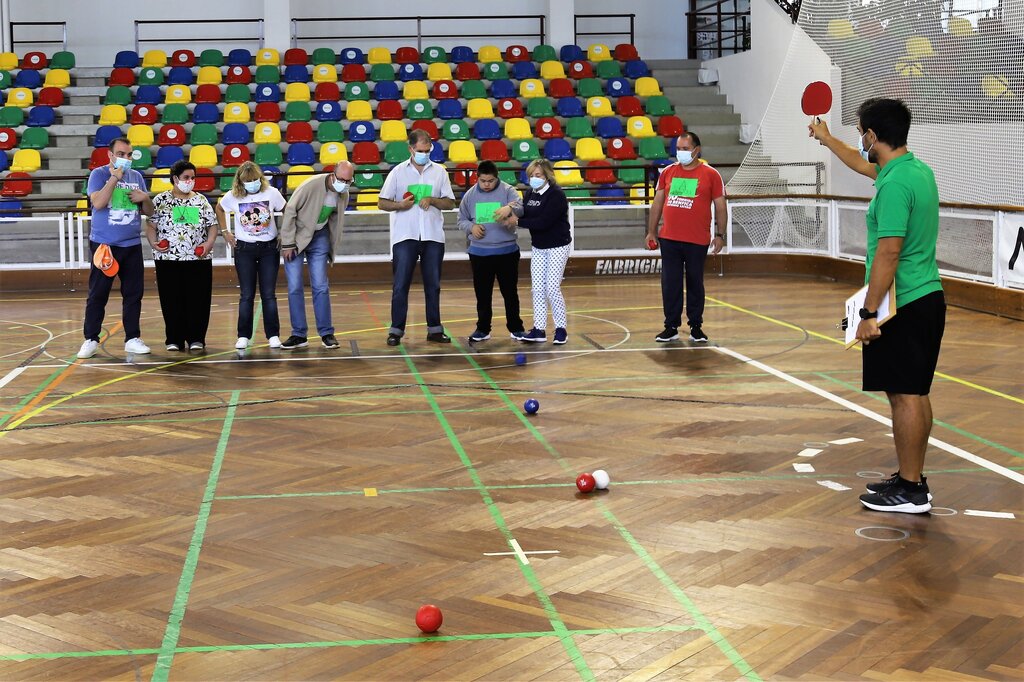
[(886, 311)]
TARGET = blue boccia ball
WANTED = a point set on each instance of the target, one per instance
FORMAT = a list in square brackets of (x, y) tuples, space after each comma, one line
[(531, 406), (520, 359)]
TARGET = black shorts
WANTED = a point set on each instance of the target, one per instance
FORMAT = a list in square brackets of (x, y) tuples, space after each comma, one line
[(903, 359)]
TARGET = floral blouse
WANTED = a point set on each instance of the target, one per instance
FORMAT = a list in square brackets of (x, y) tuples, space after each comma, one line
[(185, 223)]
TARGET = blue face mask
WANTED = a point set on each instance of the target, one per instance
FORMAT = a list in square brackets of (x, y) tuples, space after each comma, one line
[(122, 164), (421, 158), (253, 186), (684, 156), (864, 153), (537, 183)]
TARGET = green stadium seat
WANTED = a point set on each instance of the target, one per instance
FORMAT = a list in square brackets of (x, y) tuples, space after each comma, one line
[(203, 133), (474, 90), (324, 55), (609, 69), (211, 57), (151, 76), (62, 60), (419, 110), (118, 94), (658, 105), (35, 138), (11, 117), (455, 129), (382, 72), (141, 158), (581, 196), (509, 176), (631, 173), (364, 179), (297, 111), (578, 127), (396, 152), (525, 150), (329, 131), (544, 53), (434, 55), (652, 149), (269, 155), (226, 182), (236, 92), (268, 74), (175, 113), (5, 80), (590, 87), (539, 107)]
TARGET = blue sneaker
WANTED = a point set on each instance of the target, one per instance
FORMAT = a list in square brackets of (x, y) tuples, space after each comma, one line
[(518, 335), (561, 336), (534, 336)]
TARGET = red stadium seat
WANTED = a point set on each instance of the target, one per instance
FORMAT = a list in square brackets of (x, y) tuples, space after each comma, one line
[(427, 126), (298, 131), (99, 158), (510, 108), (445, 90), (9, 140), (327, 92), (670, 126), (234, 155), (183, 58), (121, 76), (465, 175), (353, 73), (561, 87), (205, 182), (580, 70), (17, 185), (548, 128), (624, 52), (207, 93), (50, 97), (365, 152), (390, 110), (493, 150), (171, 135), (629, 106), (238, 74), (620, 149), (267, 112), (296, 56), (143, 114), (34, 60), (467, 71), (600, 173), (516, 53), (407, 55)]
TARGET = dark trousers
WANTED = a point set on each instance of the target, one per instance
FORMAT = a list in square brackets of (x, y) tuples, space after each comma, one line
[(257, 262), (130, 273), (404, 255), (505, 268), (185, 288), (682, 261)]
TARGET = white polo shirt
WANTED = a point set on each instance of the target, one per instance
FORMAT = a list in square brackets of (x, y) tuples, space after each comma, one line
[(416, 223)]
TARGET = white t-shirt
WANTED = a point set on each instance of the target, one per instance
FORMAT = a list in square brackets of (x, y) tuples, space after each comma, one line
[(416, 223), (254, 214)]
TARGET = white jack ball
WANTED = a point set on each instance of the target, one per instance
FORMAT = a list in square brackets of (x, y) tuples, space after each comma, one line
[(602, 479)]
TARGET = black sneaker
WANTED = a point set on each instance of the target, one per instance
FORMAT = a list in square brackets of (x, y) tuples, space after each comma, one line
[(479, 335), (329, 341), (902, 496), (667, 334), (561, 336), (394, 339), (439, 337), (534, 336), (295, 342), (886, 483), (697, 335), (518, 335)]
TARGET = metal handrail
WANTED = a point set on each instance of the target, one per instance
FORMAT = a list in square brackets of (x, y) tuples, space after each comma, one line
[(419, 34), (738, 35), (189, 38), (631, 33), (63, 27)]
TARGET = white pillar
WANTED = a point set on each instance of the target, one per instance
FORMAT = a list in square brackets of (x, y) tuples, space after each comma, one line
[(277, 24), (561, 23)]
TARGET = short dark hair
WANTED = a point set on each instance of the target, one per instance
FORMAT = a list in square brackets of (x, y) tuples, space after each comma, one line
[(889, 119), (180, 167), (116, 140), (416, 136), (487, 168), (693, 137)]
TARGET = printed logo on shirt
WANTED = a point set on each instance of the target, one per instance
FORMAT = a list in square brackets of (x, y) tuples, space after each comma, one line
[(485, 211), (254, 217), (122, 210), (325, 214), (185, 215), (681, 193)]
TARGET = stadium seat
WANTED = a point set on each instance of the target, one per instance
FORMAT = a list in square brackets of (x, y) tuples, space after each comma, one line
[(427, 126), (236, 112), (445, 89), (461, 54), (638, 195), (509, 176), (205, 182), (297, 92), (362, 131), (298, 132), (333, 152), (494, 71), (16, 184), (919, 47), (434, 55), (28, 78), (658, 106), (599, 52), (618, 87), (569, 107), (267, 74), (168, 156), (548, 128), (410, 72), (524, 70), (12, 117), (349, 55), (620, 149), (464, 174), (389, 110), (366, 153), (273, 175), (598, 107), (180, 75), (173, 113), (670, 126), (236, 92), (561, 87), (5, 80), (297, 111), (62, 59), (960, 27), (419, 110), (239, 57), (367, 200), (126, 59), (268, 92), (379, 55), (57, 78), (567, 174), (267, 133), (840, 29), (209, 74), (414, 90), (301, 154), (207, 93), (589, 87), (19, 97), (396, 152), (455, 129), (113, 115), (203, 134), (267, 111), (580, 70), (503, 89), (652, 149), (171, 135), (8, 138), (449, 108), (393, 131), (234, 155), (494, 150), (608, 69), (539, 107), (40, 117), (636, 69), (385, 91), (515, 54), (366, 178), (203, 113), (467, 71), (268, 155), (462, 151), (140, 135), (524, 150), (531, 87), (328, 111), (510, 108), (235, 133), (238, 75), (203, 156), (551, 70), (185, 58), (407, 55), (267, 56), (628, 106), (609, 127), (647, 87), (176, 94), (625, 52), (639, 126), (571, 53), (614, 196), (544, 53), (382, 72), (354, 92), (557, 149), (488, 54), (296, 55), (589, 149), (599, 171), (296, 74), (9, 61), (477, 89), (353, 73), (298, 174), (359, 111), (487, 129), (518, 129), (479, 108), (35, 138), (150, 94), (325, 73), (98, 158), (437, 153), (439, 71), (578, 196)]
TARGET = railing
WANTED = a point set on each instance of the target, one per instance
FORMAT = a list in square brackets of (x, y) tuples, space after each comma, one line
[(790, 8), (715, 32), (14, 42), (189, 35), (416, 29), (631, 33)]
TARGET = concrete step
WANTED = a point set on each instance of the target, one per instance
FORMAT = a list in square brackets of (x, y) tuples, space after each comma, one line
[(723, 153), (695, 94), (676, 77), (697, 115), (673, 63)]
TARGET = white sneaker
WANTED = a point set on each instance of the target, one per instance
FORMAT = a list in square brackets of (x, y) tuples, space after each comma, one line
[(197, 345), (136, 347), (242, 343), (88, 349), (274, 342), (173, 347)]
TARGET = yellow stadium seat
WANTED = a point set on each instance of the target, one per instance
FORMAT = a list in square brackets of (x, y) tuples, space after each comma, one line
[(203, 156), (566, 175), (480, 108), (996, 86), (236, 112), (140, 135), (960, 27), (298, 175), (488, 54), (8, 61), (551, 70), (840, 29), (26, 161), (296, 92), (532, 87), (909, 67), (439, 71), (113, 115), (367, 200), (332, 152), (82, 203), (919, 46), (325, 73), (209, 74), (589, 149), (19, 97), (161, 181), (599, 106), (268, 56), (647, 87), (638, 195), (379, 55), (393, 131), (359, 111), (414, 90), (267, 133), (599, 52), (518, 129), (639, 126), (462, 151), (154, 58), (57, 78), (178, 94)]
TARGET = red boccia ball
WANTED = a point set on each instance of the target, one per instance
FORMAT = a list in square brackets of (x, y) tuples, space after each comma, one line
[(200, 251), (585, 482), (429, 618), (163, 243)]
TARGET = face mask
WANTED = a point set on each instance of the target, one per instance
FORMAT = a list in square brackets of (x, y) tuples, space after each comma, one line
[(122, 164), (339, 185), (421, 158), (684, 156), (186, 186), (537, 183), (252, 186), (864, 153)]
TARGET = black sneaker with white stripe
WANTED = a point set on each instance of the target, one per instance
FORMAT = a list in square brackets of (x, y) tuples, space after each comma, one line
[(902, 496), (885, 483)]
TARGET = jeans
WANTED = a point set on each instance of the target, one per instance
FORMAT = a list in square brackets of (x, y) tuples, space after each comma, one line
[(257, 261), (185, 288), (506, 268), (317, 255), (130, 272), (404, 255), (679, 261)]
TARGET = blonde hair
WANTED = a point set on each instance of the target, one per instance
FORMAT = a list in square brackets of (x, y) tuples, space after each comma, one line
[(545, 166), (251, 171)]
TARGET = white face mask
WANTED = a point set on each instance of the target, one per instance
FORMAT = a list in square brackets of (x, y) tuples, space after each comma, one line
[(864, 153), (185, 186), (684, 156), (339, 185), (253, 186)]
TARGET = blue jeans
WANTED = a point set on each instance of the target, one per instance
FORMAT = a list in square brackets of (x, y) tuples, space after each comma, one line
[(403, 262), (257, 261), (317, 255)]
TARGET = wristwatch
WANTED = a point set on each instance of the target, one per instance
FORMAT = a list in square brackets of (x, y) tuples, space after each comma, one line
[(720, 236), (866, 314)]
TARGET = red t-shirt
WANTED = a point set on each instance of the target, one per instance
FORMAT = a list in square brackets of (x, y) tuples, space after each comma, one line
[(688, 197)]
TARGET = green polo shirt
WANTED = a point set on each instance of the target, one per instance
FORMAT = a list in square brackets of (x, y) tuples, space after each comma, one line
[(906, 204)]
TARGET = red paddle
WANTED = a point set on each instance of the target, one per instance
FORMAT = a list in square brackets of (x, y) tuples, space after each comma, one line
[(817, 99)]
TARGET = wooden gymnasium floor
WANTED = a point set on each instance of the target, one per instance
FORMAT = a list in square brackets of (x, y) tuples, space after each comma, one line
[(282, 516)]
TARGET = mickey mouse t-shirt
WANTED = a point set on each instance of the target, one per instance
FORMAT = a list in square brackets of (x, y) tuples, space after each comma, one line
[(254, 214)]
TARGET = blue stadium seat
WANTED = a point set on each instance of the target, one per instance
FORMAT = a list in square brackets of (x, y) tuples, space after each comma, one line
[(4, 163), (410, 72), (301, 154), (149, 94), (437, 153), (180, 75), (570, 107), (523, 70), (386, 90), (618, 87), (352, 55), (362, 131), (235, 133), (126, 59), (487, 129), (28, 78), (274, 177), (168, 156), (636, 69), (461, 54), (296, 73), (609, 127), (206, 112), (268, 92), (328, 111), (612, 191), (239, 57), (40, 117), (558, 149), (10, 208), (571, 53), (502, 89), (107, 134), (449, 108)]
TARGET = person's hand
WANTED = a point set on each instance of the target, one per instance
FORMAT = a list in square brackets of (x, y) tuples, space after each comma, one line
[(407, 203), (426, 203), (651, 242), (288, 254), (478, 232), (138, 196), (868, 331), (117, 173), (818, 129), (229, 238), (207, 247), (716, 245), (502, 214), (156, 247)]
